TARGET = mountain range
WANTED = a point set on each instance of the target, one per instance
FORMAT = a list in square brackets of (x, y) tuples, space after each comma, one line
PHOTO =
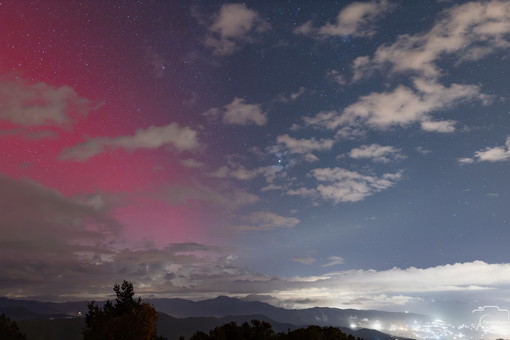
[(179, 317)]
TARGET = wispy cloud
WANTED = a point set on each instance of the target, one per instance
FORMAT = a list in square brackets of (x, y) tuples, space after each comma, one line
[(303, 260), (376, 153), (240, 113), (494, 154), (333, 261), (339, 185), (304, 146), (468, 31), (39, 104), (239, 172), (292, 96), (172, 135), (265, 220), (401, 107), (356, 19)]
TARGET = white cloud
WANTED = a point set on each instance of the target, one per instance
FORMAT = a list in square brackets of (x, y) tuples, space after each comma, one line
[(239, 172), (180, 138), (304, 146), (39, 104), (232, 26), (310, 157), (341, 185), (333, 261), (303, 260), (265, 220), (293, 96), (356, 19), (468, 31), (377, 153), (422, 150), (306, 29), (192, 163), (302, 191), (465, 160), (400, 108), (271, 187), (240, 113), (336, 77), (494, 154), (444, 126)]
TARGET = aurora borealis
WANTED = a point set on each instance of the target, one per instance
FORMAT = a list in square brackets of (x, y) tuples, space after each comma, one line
[(343, 154)]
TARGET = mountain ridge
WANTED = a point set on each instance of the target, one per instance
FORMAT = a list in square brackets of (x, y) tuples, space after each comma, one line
[(186, 316)]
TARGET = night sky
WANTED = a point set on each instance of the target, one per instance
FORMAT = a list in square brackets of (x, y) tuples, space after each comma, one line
[(303, 153)]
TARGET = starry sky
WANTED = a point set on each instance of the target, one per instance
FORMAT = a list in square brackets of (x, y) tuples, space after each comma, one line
[(336, 153)]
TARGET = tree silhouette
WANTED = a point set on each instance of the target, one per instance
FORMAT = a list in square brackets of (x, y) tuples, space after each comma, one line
[(261, 330), (316, 333), (127, 318), (9, 329)]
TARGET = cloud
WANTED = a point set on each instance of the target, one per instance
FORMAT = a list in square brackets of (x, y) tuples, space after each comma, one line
[(44, 234), (340, 185), (39, 104), (192, 163), (303, 260), (33, 213), (465, 160), (401, 107), (239, 113), (233, 26), (231, 199), (265, 220), (54, 246), (304, 146), (57, 246), (29, 133), (468, 31), (444, 126), (310, 157), (179, 138), (423, 150), (376, 153), (356, 19), (241, 173), (333, 261), (336, 77), (293, 96), (271, 187), (233, 170), (494, 154)]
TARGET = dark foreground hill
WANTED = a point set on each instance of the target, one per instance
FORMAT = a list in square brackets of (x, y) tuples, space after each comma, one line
[(170, 327)]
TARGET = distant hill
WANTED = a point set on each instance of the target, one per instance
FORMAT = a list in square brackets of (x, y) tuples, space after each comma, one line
[(321, 316), (179, 317), (43, 308)]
